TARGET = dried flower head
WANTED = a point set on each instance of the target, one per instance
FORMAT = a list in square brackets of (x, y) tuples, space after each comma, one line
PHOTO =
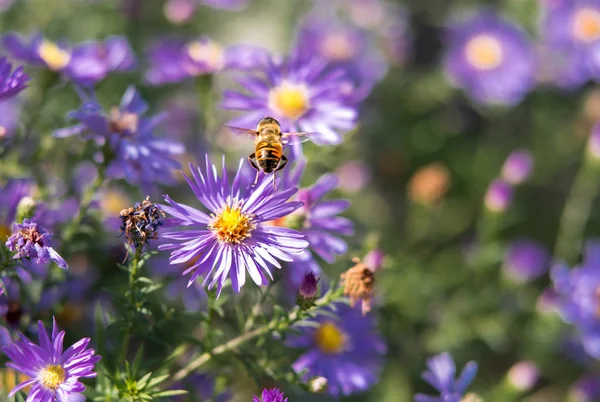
[(359, 284), (140, 223)]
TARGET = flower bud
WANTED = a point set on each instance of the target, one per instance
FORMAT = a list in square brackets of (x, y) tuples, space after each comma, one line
[(525, 260), (499, 196), (374, 259), (318, 385), (307, 293), (517, 167), (593, 146), (429, 184), (26, 208), (523, 376)]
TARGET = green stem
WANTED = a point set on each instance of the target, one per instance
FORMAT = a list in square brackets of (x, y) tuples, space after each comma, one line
[(133, 274), (577, 210), (275, 324)]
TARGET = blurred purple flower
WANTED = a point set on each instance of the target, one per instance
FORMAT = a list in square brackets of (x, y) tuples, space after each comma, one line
[(226, 4), (92, 61), (318, 219), (517, 167), (586, 389), (38, 51), (354, 176), (571, 38), (578, 292), (234, 238), (346, 350), (499, 196), (526, 260), (11, 82), (174, 59), (5, 4), (54, 375), (593, 146), (139, 156), (85, 64), (491, 59), (441, 375), (374, 259), (303, 94), (343, 46), (29, 241), (180, 11), (270, 395)]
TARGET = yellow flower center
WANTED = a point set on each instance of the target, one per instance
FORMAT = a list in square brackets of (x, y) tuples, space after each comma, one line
[(330, 339), (484, 52), (289, 100), (209, 53), (52, 376), (55, 57), (586, 25), (337, 46), (231, 225)]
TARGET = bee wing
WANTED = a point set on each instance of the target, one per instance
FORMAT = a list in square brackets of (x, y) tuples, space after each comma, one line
[(286, 138), (242, 131)]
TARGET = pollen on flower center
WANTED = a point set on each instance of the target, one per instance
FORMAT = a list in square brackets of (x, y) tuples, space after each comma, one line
[(209, 53), (586, 25), (31, 234), (231, 225), (55, 57), (52, 376), (329, 338), (123, 122), (289, 100), (337, 46), (484, 52)]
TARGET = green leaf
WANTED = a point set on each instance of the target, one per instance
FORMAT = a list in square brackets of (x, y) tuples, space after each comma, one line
[(157, 380), (142, 382), (137, 360)]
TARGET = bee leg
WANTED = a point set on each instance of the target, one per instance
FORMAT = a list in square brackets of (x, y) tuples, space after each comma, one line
[(251, 158), (284, 161)]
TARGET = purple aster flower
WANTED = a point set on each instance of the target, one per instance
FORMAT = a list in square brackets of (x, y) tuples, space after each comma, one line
[(54, 375), (139, 156), (526, 260), (571, 32), (32, 242), (11, 82), (38, 51), (92, 61), (498, 196), (578, 301), (343, 46), (270, 395), (318, 219), (346, 350), (174, 59), (491, 59), (234, 238), (441, 376), (586, 389), (303, 94), (517, 167)]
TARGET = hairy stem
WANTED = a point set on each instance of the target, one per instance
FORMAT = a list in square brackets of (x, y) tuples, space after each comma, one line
[(275, 324)]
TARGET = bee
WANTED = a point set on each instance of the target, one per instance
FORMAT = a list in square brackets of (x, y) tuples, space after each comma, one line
[(268, 146)]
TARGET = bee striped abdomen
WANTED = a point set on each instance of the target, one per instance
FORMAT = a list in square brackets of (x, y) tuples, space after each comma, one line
[(268, 155)]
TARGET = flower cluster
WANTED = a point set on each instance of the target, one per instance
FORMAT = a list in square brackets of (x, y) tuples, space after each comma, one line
[(29, 241)]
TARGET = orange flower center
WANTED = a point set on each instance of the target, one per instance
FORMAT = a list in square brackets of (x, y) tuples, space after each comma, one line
[(586, 25), (484, 52), (231, 225)]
